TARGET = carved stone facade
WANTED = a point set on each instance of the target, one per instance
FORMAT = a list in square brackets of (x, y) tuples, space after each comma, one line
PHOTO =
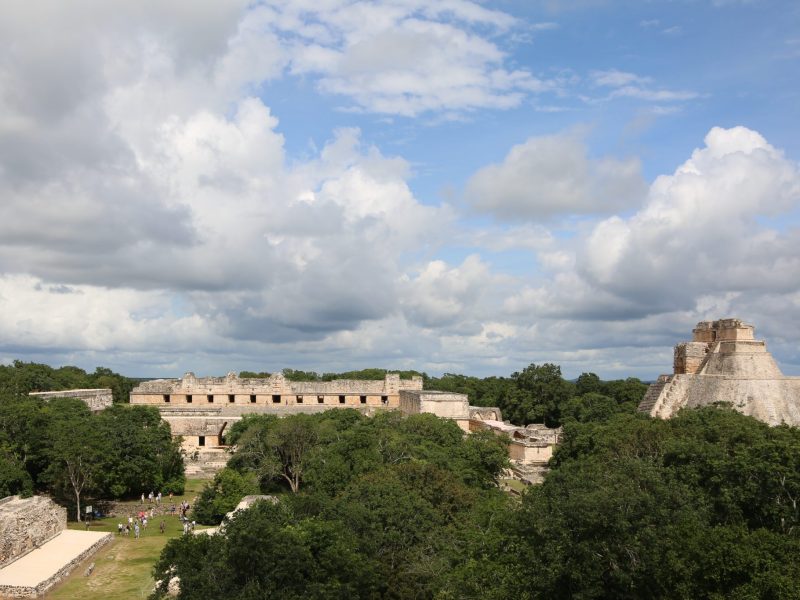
[(199, 409), (95, 399), (725, 363)]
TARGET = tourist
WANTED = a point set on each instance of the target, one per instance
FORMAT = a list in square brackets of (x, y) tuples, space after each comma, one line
[(130, 520), (142, 497), (158, 499), (120, 528), (136, 531), (127, 530), (150, 497), (144, 523), (162, 526)]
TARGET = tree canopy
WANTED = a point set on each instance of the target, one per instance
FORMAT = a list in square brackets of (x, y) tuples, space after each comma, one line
[(24, 377), (540, 394), (702, 506), (62, 448)]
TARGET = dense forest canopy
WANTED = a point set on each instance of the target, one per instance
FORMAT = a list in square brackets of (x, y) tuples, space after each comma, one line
[(700, 506), (539, 394)]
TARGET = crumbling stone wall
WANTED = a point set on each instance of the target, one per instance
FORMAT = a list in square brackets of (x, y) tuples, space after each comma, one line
[(26, 524), (95, 399)]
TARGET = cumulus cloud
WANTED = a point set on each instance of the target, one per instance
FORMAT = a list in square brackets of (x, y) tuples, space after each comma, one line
[(704, 232), (161, 175), (441, 297), (553, 175)]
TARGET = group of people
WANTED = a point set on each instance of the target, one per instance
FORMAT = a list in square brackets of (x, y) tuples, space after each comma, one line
[(138, 523), (153, 497)]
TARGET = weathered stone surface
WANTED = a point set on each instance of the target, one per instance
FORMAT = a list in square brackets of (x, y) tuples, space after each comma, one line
[(26, 524), (200, 409), (724, 363), (447, 405), (38, 571), (95, 399)]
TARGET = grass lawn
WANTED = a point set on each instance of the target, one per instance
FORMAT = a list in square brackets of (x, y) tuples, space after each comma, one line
[(122, 568), (514, 484)]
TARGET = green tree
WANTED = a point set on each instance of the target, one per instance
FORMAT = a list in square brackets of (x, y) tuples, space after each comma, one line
[(14, 479), (540, 392), (76, 454), (221, 495), (277, 448)]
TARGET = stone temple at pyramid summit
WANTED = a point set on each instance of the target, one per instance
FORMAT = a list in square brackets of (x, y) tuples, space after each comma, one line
[(725, 363)]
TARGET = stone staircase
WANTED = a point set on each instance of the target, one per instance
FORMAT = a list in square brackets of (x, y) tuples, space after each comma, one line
[(653, 393), (205, 463)]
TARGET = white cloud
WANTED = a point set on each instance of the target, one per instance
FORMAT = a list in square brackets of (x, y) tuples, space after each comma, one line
[(410, 58), (159, 174), (699, 235), (441, 297), (552, 175), (630, 85)]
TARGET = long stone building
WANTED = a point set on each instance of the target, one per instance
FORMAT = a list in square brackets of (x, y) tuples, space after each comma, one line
[(725, 363), (199, 409)]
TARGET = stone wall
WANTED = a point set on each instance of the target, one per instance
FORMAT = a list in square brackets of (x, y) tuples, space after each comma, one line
[(689, 357), (41, 588), (95, 399), (447, 405), (276, 390), (26, 524)]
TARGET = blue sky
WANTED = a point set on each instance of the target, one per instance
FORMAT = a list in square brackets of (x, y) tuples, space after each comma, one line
[(450, 187)]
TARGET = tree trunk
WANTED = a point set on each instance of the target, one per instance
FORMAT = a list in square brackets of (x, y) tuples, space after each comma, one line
[(78, 504)]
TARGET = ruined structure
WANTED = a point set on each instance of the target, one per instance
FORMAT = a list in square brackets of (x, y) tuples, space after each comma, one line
[(447, 405), (36, 548), (95, 399), (725, 363), (26, 524), (199, 409), (530, 448)]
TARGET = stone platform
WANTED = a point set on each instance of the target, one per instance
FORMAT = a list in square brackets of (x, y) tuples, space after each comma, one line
[(40, 569)]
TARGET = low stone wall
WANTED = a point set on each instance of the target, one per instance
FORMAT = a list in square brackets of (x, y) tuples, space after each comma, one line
[(26, 524), (40, 589)]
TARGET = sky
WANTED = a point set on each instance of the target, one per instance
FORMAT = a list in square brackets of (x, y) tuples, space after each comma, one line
[(452, 186)]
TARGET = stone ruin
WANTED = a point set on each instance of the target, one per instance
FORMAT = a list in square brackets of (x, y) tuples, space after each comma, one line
[(724, 363), (36, 549), (199, 409), (26, 524), (530, 447), (95, 399)]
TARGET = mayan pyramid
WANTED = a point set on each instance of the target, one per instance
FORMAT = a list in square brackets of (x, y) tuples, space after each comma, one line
[(725, 363)]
